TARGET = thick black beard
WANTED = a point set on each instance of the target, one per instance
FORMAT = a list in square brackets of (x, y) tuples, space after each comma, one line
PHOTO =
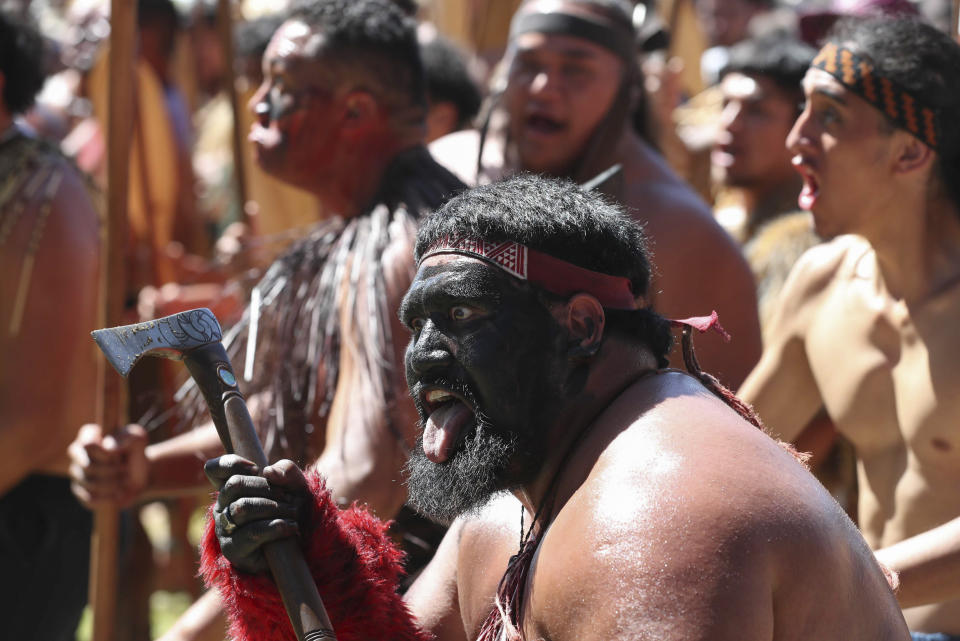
[(477, 470), (489, 459)]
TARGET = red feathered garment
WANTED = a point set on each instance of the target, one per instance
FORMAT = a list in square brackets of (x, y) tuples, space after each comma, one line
[(354, 563)]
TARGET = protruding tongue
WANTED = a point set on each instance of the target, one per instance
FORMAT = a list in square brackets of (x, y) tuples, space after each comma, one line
[(442, 429)]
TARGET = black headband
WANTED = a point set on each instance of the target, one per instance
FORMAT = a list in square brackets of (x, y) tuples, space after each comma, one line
[(620, 41), (858, 74)]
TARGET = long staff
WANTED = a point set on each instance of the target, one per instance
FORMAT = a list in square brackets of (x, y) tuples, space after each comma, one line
[(122, 54), (225, 30), (955, 20)]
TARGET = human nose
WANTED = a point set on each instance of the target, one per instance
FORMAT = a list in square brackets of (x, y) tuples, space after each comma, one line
[(799, 137), (730, 117), (543, 83), (429, 349), (259, 104)]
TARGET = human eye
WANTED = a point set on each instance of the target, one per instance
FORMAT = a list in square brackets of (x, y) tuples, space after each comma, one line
[(828, 115), (462, 313)]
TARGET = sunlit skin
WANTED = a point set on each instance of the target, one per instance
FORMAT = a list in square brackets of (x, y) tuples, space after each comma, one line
[(332, 137), (842, 151), (674, 518), (48, 373), (559, 89), (750, 151), (320, 132), (866, 330)]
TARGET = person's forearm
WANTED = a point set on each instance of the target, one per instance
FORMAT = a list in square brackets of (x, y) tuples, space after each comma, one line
[(176, 465), (203, 621), (356, 567), (928, 565)]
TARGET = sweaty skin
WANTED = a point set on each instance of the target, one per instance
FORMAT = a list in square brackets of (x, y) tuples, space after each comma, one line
[(674, 518), (866, 329), (558, 91)]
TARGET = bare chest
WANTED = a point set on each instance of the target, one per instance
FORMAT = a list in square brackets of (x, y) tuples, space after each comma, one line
[(886, 371)]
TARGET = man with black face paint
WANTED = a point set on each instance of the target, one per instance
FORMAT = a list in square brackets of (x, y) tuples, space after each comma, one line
[(651, 506), (571, 87)]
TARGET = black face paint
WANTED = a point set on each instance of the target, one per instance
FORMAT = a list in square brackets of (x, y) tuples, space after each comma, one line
[(508, 365)]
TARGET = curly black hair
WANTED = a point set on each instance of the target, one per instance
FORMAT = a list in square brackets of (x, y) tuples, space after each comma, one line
[(925, 62), (373, 40), (560, 219), (775, 55), (449, 80), (21, 63)]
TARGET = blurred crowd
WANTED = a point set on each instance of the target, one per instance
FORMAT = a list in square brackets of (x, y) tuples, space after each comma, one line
[(710, 91)]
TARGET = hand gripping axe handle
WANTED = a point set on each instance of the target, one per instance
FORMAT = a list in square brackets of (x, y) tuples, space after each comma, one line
[(194, 337)]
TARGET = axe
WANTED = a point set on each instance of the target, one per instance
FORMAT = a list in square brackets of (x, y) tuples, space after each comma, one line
[(194, 337)]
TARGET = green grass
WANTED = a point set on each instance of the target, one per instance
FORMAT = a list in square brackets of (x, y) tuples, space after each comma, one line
[(165, 609)]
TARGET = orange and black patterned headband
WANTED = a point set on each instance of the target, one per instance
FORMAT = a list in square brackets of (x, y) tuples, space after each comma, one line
[(858, 75)]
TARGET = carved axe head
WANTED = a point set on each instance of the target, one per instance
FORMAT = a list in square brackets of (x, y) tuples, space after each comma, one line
[(193, 337), (169, 337)]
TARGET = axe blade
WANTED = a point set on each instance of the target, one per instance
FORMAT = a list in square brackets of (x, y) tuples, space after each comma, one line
[(168, 337)]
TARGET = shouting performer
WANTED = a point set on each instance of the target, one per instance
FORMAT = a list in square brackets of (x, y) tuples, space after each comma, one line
[(654, 506), (571, 89), (49, 248), (340, 114), (867, 324)]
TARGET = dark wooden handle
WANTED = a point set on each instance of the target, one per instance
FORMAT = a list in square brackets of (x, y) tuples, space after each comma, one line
[(297, 589)]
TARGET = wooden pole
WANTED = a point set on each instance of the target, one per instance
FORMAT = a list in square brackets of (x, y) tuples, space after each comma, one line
[(955, 21), (225, 30), (103, 562)]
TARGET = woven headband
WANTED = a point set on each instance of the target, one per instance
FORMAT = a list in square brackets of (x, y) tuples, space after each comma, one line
[(858, 74), (608, 35), (552, 274)]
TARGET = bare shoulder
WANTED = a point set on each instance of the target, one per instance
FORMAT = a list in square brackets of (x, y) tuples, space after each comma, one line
[(693, 518), (813, 275), (487, 541), (458, 153)]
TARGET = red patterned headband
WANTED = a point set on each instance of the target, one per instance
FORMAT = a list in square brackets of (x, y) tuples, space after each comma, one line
[(552, 274), (858, 75)]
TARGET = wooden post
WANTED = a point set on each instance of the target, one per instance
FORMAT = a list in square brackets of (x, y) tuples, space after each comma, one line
[(103, 562), (225, 30), (955, 21)]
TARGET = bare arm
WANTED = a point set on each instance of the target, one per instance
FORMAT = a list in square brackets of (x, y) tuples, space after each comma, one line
[(203, 621), (433, 599), (782, 387), (365, 464), (928, 565), (48, 369), (699, 269)]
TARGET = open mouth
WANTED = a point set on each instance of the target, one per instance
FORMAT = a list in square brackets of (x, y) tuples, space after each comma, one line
[(266, 137), (543, 124), (448, 416), (811, 188), (724, 155)]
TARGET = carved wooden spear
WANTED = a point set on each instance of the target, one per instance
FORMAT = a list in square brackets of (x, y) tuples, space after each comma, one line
[(111, 414)]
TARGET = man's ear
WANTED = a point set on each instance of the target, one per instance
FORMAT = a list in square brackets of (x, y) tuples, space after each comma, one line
[(912, 155), (585, 322), (361, 109)]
